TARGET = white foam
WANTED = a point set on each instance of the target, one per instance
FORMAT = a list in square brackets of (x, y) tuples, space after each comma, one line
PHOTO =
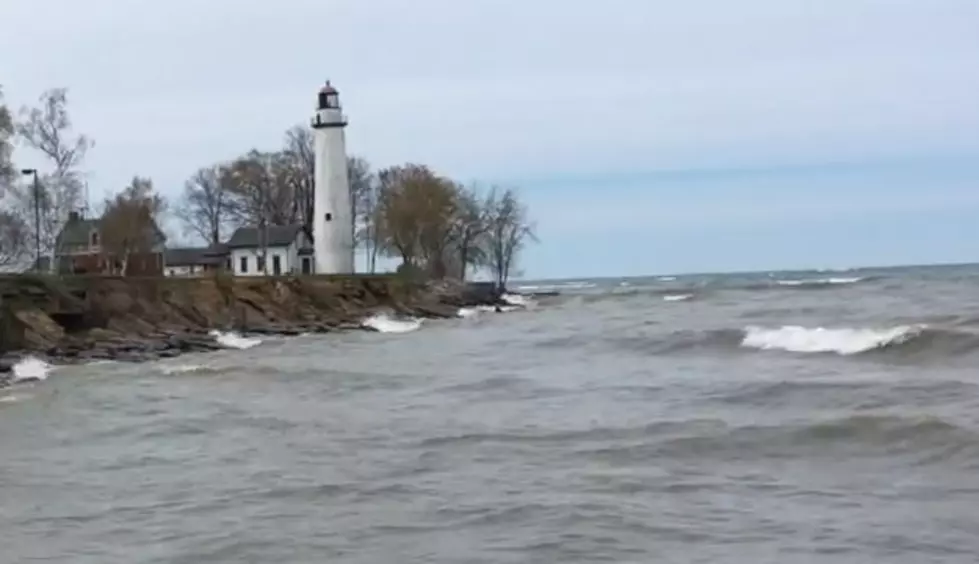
[(233, 340), (517, 300), (666, 278), (844, 341), (556, 287), (180, 368), (9, 399), (677, 297), (819, 281), (385, 324), (470, 312), (31, 369)]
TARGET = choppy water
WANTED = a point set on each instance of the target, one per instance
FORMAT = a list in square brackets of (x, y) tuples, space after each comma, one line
[(618, 423)]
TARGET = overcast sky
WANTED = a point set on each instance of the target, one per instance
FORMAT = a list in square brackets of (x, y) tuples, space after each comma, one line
[(648, 136)]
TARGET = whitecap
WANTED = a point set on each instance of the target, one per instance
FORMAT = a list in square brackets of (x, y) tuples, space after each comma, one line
[(180, 368), (844, 341), (233, 340), (819, 281), (677, 297), (518, 300), (666, 278), (467, 312), (385, 324), (31, 369)]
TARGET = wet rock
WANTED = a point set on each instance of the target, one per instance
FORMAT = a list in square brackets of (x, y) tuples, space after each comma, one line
[(7, 363), (135, 320)]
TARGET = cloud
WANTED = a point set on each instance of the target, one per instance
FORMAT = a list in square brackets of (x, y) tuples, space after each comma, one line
[(503, 88)]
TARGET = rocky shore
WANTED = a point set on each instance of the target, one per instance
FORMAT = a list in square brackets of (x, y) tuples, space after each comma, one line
[(142, 320)]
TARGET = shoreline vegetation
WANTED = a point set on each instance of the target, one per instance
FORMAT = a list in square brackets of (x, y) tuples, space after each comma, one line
[(62, 321), (439, 231), (426, 223)]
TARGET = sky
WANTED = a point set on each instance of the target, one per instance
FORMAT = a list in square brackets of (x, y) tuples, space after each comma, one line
[(646, 136)]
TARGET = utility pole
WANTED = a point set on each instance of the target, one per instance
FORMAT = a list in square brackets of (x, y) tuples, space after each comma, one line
[(37, 217)]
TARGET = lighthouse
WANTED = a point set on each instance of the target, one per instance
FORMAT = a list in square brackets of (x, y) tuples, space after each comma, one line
[(333, 221)]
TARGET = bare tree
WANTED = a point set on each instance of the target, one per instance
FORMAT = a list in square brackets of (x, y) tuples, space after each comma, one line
[(48, 130), (7, 171), (368, 235), (471, 225), (261, 192), (14, 245), (300, 162), (507, 233), (205, 207), (129, 224), (361, 182)]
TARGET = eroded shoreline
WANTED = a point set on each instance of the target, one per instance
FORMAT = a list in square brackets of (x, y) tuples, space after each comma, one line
[(124, 321)]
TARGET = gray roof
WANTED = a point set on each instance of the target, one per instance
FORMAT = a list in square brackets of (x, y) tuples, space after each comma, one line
[(187, 256), (77, 230), (279, 236)]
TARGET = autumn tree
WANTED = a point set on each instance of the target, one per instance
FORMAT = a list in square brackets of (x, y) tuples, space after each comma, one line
[(48, 130), (205, 206), (508, 230), (129, 222), (414, 216)]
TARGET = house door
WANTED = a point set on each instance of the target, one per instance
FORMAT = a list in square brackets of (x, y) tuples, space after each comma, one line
[(307, 266), (276, 265)]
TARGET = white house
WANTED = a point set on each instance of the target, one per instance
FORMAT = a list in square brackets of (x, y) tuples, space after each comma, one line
[(272, 251)]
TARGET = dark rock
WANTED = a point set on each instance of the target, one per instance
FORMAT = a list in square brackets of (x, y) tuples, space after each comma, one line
[(7, 363)]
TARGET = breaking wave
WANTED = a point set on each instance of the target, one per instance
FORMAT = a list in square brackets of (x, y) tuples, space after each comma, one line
[(383, 323), (677, 297), (233, 340), (31, 369), (844, 341), (913, 340), (518, 300), (820, 281), (470, 312), (172, 369), (556, 287)]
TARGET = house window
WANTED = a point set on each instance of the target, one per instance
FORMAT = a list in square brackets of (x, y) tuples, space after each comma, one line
[(329, 216), (307, 267), (276, 265), (261, 263), (244, 265)]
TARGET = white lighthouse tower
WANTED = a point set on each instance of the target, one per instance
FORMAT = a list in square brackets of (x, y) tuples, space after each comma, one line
[(333, 223)]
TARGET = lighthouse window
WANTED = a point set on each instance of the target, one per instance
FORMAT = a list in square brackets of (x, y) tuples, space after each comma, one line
[(329, 216)]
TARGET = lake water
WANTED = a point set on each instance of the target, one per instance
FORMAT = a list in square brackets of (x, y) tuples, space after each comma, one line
[(776, 417)]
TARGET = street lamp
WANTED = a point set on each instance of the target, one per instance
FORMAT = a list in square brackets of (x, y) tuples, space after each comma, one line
[(37, 216)]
